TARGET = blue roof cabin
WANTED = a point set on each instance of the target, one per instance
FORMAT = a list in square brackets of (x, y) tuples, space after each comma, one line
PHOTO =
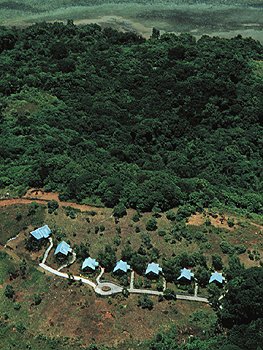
[(89, 263), (63, 248), (217, 277), (186, 275), (122, 266), (41, 232), (154, 269)]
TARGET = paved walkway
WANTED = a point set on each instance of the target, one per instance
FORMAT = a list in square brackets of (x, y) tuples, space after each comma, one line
[(48, 250), (11, 239), (196, 289), (105, 288), (191, 298), (65, 275)]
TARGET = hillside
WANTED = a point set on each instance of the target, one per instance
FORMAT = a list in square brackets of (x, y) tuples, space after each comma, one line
[(148, 151), (35, 311), (107, 117)]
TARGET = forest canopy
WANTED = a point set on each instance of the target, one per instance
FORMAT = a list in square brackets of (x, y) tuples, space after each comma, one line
[(96, 113)]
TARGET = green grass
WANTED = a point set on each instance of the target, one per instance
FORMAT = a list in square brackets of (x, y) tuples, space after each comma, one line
[(79, 302), (15, 218), (220, 17)]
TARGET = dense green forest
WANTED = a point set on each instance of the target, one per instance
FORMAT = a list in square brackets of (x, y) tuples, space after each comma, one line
[(107, 116)]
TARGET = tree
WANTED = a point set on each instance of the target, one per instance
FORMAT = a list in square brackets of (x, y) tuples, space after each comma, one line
[(145, 302), (151, 224), (59, 50), (235, 268), (107, 258), (9, 291), (247, 336), (171, 215), (82, 251), (217, 262), (169, 294), (155, 33), (23, 268), (214, 293), (37, 299), (165, 340), (52, 206), (202, 275), (119, 210), (244, 299), (139, 263)]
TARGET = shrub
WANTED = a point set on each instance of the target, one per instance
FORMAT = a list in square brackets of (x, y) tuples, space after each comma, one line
[(17, 306), (18, 217), (136, 217), (169, 294), (9, 292), (145, 302), (151, 225), (171, 215), (230, 222), (37, 299), (227, 248), (217, 262), (52, 206), (161, 233), (119, 210)]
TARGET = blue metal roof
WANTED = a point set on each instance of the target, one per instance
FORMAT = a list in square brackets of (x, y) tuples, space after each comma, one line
[(153, 268), (91, 263), (122, 266), (216, 277), (186, 273), (41, 232), (63, 248)]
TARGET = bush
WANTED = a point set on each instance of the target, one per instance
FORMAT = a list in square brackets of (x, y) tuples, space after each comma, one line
[(136, 217), (9, 292), (52, 206), (18, 217), (230, 222), (171, 215), (151, 225), (145, 302), (227, 248), (161, 233), (17, 306), (240, 249), (119, 210), (217, 262), (169, 294)]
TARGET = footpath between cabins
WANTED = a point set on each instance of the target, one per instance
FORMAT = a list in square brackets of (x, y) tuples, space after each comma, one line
[(108, 288)]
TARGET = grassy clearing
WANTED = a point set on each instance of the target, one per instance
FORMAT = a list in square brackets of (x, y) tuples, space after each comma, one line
[(16, 218), (115, 320), (140, 16), (66, 310)]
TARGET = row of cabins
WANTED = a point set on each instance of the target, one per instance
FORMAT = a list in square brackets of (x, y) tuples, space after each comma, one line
[(90, 264)]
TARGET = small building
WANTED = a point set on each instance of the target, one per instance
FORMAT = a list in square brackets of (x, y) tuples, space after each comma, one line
[(186, 275), (90, 264), (63, 248), (41, 232), (122, 266), (153, 269), (217, 278)]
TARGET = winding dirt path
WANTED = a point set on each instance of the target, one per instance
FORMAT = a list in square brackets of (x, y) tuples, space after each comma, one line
[(40, 197)]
